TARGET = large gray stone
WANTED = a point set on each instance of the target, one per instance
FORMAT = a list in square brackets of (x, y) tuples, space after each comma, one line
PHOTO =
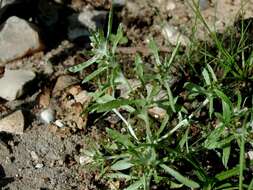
[(12, 83), (17, 39)]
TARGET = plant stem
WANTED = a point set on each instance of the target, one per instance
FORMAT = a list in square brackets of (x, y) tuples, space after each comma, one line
[(241, 162)]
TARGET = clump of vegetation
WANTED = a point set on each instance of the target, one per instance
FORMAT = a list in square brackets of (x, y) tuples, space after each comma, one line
[(200, 141)]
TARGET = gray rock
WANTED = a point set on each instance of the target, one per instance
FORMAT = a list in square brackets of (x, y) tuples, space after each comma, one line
[(18, 38), (12, 83), (13, 123), (81, 23)]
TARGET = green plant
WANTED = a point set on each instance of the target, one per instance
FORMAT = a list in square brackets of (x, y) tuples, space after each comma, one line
[(166, 151)]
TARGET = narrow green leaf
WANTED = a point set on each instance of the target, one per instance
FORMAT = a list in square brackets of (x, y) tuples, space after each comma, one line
[(171, 98), (174, 185), (117, 38), (250, 187), (120, 138), (139, 68), (241, 162), (223, 97), (228, 173), (120, 176), (219, 144), (144, 116), (212, 73), (136, 185), (84, 65), (184, 140), (122, 165), (212, 140), (109, 24), (152, 91), (210, 106), (225, 186), (173, 55), (225, 156), (206, 77), (163, 125), (180, 177), (226, 112), (94, 74), (105, 98), (154, 49), (239, 100), (108, 106), (182, 123), (194, 88)]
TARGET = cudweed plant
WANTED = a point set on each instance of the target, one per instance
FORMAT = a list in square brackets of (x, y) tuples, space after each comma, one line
[(149, 152), (136, 159)]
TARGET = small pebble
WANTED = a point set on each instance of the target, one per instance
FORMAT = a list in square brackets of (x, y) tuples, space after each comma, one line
[(34, 156), (61, 162), (203, 4), (123, 130), (157, 112), (47, 115), (39, 166), (170, 6), (84, 160), (59, 123)]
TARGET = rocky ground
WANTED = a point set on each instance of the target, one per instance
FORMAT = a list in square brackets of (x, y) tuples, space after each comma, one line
[(41, 130)]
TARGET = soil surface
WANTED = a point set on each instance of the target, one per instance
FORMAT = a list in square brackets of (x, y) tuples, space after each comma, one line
[(48, 157)]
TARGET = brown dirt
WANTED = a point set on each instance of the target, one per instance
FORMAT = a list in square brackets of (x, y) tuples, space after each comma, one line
[(58, 150)]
